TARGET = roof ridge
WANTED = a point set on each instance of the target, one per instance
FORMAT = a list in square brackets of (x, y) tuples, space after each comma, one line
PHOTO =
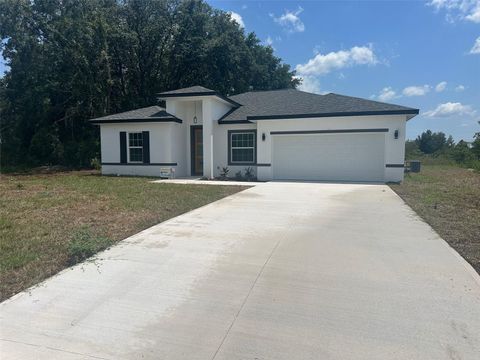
[(375, 101), (257, 91), (194, 88)]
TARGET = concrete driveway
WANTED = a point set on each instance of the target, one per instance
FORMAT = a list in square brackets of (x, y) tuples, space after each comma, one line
[(279, 271)]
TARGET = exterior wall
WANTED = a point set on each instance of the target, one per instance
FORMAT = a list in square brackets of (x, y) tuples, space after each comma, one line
[(170, 142), (394, 148), (166, 143), (207, 107), (215, 139), (220, 147)]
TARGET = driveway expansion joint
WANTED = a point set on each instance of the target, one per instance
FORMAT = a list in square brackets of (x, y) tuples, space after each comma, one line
[(246, 298)]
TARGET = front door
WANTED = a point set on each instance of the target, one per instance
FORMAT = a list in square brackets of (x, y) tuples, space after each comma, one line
[(196, 145)]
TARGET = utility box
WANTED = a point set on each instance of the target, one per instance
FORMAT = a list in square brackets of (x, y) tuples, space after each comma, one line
[(415, 166)]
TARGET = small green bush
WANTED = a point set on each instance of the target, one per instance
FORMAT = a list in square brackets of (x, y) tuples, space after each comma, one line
[(249, 174), (224, 173), (238, 175), (84, 244), (95, 163)]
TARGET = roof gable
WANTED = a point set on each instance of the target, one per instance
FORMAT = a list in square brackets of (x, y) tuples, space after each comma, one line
[(188, 91), (196, 91)]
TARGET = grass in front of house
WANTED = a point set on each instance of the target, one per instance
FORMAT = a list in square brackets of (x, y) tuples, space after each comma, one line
[(48, 222), (448, 198)]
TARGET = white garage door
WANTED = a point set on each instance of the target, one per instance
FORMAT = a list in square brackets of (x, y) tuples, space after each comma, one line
[(336, 157)]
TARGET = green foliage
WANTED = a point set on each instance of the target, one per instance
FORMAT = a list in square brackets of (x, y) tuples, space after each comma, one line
[(224, 173), (462, 153), (476, 145), (431, 142), (249, 174), (71, 61), (85, 244), (45, 147), (95, 163), (412, 151), (239, 176), (444, 151)]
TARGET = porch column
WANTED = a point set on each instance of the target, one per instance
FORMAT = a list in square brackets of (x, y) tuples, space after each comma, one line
[(207, 138)]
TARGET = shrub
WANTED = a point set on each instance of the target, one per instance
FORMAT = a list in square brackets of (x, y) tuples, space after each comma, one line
[(96, 163), (475, 165), (249, 174), (238, 176), (224, 173), (461, 153), (84, 244)]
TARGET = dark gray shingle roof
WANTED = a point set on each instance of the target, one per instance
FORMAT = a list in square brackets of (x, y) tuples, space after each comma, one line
[(195, 91), (148, 114), (189, 91), (291, 103)]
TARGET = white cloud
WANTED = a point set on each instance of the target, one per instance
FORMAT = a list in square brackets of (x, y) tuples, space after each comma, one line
[(449, 109), (460, 88), (416, 90), (386, 94), (269, 41), (310, 84), (237, 18), (290, 20), (476, 47), (468, 10), (441, 86), (323, 64), (474, 16)]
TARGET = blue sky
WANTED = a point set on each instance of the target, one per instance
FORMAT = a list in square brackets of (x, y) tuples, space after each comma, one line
[(419, 54), (413, 53)]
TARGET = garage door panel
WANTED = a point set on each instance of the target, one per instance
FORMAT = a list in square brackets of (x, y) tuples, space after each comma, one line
[(336, 157)]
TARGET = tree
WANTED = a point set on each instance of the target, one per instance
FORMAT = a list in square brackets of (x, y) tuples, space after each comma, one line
[(476, 145), (430, 142), (72, 60), (462, 153), (411, 149)]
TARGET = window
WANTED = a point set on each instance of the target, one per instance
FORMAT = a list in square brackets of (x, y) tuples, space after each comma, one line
[(135, 147), (242, 147)]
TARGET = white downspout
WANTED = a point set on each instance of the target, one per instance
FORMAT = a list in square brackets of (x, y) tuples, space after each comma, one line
[(211, 156)]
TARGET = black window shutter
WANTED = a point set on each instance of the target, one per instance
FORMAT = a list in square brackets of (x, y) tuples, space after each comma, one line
[(146, 147), (123, 147)]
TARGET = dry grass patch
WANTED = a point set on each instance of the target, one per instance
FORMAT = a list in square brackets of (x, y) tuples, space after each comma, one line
[(50, 221), (448, 198)]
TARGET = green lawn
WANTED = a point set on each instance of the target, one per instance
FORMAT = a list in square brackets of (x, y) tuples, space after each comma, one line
[(48, 222), (448, 198)]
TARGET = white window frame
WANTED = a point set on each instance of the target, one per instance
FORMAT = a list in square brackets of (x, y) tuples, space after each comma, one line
[(253, 147), (134, 147)]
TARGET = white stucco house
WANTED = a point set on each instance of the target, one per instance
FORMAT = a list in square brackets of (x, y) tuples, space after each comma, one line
[(281, 134)]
